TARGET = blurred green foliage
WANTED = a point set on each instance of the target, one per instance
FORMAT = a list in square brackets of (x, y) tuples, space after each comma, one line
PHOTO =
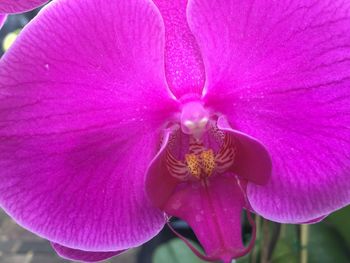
[(175, 251), (329, 242)]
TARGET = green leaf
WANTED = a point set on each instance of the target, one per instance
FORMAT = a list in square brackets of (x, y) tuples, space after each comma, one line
[(330, 239), (340, 221), (243, 260), (285, 253), (326, 245), (175, 251), (287, 248)]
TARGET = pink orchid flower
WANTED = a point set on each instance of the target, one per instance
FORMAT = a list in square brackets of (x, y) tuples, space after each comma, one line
[(114, 113), (17, 6)]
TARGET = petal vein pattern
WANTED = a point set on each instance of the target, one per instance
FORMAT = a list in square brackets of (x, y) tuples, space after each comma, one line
[(281, 73), (18, 6), (80, 119)]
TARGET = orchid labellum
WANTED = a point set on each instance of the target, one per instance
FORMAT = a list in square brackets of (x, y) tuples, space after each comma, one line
[(17, 6), (116, 115)]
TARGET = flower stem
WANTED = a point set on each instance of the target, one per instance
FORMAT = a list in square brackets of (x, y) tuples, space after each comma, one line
[(265, 242), (258, 238), (283, 231), (274, 237), (304, 240)]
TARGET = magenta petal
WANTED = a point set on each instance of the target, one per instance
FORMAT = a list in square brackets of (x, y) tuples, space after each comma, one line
[(80, 120), (281, 73), (315, 220), (82, 256), (159, 183), (253, 161), (214, 213), (183, 61), (18, 6), (2, 20)]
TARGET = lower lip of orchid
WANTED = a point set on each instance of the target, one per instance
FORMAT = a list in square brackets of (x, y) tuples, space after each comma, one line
[(204, 170), (201, 162), (197, 168)]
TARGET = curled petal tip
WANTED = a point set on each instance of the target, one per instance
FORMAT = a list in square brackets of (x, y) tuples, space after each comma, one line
[(81, 255)]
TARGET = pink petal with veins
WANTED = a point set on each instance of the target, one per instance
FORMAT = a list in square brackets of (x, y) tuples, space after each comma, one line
[(80, 120), (19, 6), (280, 72)]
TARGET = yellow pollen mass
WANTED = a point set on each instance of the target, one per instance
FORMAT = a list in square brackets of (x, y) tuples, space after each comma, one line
[(193, 164), (201, 165), (208, 161)]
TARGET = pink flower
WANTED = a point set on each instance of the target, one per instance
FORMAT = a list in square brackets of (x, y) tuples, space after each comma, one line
[(113, 113), (17, 6)]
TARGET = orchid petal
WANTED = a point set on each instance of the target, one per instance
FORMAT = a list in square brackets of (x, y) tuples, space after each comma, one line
[(252, 162), (2, 20), (213, 210), (315, 220), (80, 255), (19, 6), (159, 183), (80, 120), (183, 62), (281, 73)]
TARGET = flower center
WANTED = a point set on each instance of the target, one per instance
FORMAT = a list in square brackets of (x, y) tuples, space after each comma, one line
[(201, 165), (199, 149), (200, 162)]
